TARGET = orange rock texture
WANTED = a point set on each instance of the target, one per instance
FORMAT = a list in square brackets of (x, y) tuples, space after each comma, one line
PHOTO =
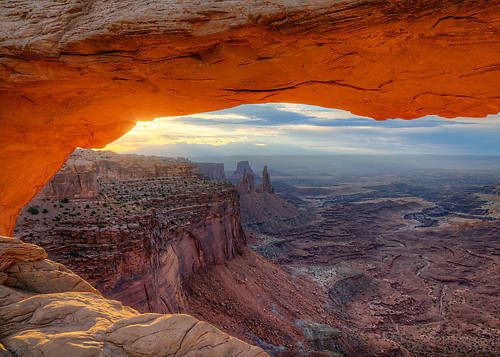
[(82, 73)]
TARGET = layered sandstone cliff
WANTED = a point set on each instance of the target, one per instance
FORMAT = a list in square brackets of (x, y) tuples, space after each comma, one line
[(137, 240), (80, 175)]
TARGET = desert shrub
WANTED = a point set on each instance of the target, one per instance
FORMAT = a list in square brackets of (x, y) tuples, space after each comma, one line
[(33, 210), (75, 253), (45, 210)]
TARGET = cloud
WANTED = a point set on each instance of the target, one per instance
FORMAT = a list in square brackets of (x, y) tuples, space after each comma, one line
[(278, 128)]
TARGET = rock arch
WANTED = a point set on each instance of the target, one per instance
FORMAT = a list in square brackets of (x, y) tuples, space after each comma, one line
[(81, 73)]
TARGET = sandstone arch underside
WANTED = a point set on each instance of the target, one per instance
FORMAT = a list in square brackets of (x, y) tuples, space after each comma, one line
[(81, 73)]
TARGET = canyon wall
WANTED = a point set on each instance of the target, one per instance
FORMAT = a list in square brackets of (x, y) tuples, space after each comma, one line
[(76, 179), (81, 74), (139, 236), (80, 175), (144, 262)]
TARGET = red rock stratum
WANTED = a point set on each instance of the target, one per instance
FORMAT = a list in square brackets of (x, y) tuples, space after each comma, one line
[(82, 73)]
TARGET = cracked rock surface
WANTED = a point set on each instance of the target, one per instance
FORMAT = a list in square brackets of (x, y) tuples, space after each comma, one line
[(47, 310)]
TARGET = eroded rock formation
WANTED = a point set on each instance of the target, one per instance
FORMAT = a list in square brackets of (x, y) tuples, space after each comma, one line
[(241, 168), (246, 184), (76, 179), (151, 224), (80, 175), (212, 171), (47, 310), (262, 211), (80, 74), (266, 182)]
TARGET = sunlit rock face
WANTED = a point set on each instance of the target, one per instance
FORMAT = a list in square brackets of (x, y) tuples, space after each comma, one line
[(80, 74)]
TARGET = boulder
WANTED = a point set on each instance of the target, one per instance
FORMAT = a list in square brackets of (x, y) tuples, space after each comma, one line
[(47, 310)]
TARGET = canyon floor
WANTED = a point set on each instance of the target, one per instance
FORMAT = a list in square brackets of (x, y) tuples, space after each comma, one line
[(410, 261)]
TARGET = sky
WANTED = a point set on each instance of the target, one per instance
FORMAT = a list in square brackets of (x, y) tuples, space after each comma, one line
[(296, 129)]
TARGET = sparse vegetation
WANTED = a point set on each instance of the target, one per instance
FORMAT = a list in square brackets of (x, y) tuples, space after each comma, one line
[(33, 210)]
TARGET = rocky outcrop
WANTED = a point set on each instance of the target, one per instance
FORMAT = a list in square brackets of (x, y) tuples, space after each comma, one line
[(212, 171), (76, 179), (81, 74), (56, 313), (25, 267), (241, 168), (246, 184), (266, 182), (262, 210)]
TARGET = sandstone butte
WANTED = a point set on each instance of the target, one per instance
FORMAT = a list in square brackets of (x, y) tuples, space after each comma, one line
[(82, 73)]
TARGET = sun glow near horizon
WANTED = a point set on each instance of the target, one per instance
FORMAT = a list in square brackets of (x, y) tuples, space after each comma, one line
[(283, 128)]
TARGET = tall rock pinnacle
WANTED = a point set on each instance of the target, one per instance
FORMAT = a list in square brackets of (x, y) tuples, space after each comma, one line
[(266, 181)]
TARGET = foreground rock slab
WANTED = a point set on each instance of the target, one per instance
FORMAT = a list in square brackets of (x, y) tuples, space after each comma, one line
[(70, 318)]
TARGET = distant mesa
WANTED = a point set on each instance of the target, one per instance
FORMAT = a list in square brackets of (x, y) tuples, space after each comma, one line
[(241, 168), (212, 171)]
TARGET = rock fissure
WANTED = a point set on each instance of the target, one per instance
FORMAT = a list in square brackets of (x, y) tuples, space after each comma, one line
[(184, 337)]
